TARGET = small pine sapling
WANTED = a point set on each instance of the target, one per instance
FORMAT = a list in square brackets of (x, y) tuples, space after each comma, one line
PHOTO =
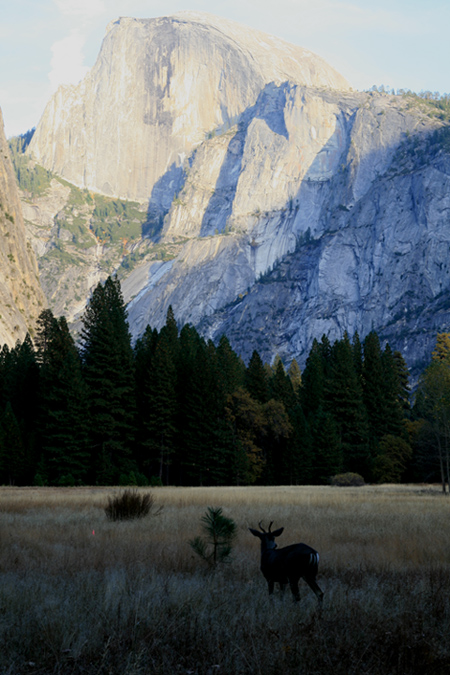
[(217, 544)]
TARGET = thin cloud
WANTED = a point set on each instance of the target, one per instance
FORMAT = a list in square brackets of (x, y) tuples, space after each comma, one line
[(82, 8), (401, 43), (67, 60), (335, 17)]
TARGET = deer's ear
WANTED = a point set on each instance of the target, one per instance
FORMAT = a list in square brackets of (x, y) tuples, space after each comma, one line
[(255, 532), (278, 532)]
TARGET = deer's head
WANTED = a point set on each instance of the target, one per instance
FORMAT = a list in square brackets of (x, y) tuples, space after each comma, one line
[(267, 538)]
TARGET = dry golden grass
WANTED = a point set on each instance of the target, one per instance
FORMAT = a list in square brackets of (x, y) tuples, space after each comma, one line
[(81, 594)]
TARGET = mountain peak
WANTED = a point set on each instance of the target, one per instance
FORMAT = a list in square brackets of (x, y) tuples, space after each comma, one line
[(158, 87)]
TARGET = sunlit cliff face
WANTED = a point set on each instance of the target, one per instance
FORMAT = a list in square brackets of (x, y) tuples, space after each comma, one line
[(287, 205), (21, 296), (159, 86)]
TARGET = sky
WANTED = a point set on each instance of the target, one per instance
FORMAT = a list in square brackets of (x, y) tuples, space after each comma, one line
[(402, 44)]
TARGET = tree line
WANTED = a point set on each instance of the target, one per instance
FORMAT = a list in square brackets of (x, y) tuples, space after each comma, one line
[(177, 409)]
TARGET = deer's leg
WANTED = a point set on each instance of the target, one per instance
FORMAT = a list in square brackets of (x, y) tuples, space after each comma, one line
[(293, 583), (282, 588), (315, 587), (271, 585)]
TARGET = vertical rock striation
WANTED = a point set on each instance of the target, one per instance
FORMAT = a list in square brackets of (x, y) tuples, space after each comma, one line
[(159, 86), (21, 296), (291, 205)]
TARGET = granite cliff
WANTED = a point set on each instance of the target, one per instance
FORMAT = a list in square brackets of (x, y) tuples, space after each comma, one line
[(286, 205), (21, 295), (159, 86)]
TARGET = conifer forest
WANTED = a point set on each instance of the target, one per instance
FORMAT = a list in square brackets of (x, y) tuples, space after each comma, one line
[(175, 409)]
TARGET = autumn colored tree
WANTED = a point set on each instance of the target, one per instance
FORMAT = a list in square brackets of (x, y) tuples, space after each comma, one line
[(295, 375), (442, 350), (434, 436), (246, 419)]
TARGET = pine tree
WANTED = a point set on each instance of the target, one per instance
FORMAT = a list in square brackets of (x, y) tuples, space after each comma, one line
[(313, 380), (205, 444), (23, 394), (326, 447), (220, 533), (357, 355), (325, 350), (156, 361), (256, 379), (344, 400), (45, 333), (280, 386), (289, 449), (170, 331), (13, 464), (108, 370), (374, 386), (6, 375), (230, 368), (298, 465), (224, 372), (394, 387), (382, 390), (158, 406), (63, 421), (192, 419), (404, 389)]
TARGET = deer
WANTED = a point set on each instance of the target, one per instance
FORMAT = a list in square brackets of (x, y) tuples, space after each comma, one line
[(288, 564)]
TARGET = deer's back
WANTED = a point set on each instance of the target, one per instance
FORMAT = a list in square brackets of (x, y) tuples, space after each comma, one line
[(291, 561)]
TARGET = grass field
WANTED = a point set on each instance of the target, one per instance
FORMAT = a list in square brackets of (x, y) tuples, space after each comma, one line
[(81, 594)]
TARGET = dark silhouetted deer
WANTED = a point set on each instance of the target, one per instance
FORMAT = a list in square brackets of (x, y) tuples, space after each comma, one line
[(288, 564)]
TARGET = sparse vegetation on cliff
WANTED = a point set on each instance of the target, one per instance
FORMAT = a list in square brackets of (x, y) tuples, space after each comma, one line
[(114, 220), (33, 179)]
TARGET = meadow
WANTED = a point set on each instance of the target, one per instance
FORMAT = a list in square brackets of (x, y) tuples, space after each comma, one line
[(82, 594)]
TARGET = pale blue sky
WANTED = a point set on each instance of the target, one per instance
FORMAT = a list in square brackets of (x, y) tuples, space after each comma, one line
[(398, 43)]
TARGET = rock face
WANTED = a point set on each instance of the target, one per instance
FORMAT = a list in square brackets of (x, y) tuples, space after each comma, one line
[(159, 86), (294, 206), (337, 213), (21, 296), (67, 271)]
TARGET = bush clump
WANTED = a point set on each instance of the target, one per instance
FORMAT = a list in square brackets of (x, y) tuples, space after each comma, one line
[(348, 479), (129, 505)]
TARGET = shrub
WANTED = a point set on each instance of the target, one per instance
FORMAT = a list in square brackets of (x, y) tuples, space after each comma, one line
[(129, 504), (348, 479), (67, 480)]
